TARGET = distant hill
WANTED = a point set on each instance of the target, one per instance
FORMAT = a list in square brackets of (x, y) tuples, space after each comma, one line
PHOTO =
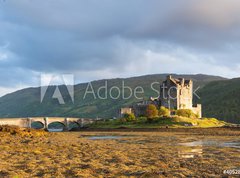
[(26, 102), (221, 99)]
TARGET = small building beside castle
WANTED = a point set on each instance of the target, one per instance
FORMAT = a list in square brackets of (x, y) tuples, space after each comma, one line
[(175, 94), (126, 110)]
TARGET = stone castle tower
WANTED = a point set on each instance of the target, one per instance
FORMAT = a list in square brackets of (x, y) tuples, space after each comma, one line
[(178, 94)]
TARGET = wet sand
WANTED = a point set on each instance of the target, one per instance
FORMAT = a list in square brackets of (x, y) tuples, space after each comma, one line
[(132, 153)]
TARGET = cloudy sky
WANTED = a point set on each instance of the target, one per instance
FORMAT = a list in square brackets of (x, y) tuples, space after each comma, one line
[(96, 39)]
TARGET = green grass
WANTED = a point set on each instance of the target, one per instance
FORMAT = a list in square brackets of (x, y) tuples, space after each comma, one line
[(172, 122)]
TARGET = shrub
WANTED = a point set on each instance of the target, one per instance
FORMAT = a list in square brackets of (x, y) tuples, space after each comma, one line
[(26, 132), (151, 112), (129, 117), (186, 113), (163, 112), (10, 129), (122, 120)]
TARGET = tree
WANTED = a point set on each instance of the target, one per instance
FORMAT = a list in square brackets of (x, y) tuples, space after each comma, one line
[(163, 112), (129, 117), (151, 112)]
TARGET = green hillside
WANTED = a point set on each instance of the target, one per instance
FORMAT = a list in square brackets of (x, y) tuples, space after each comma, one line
[(26, 102), (221, 99)]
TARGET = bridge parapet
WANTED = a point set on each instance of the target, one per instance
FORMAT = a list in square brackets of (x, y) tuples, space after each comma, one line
[(21, 122)]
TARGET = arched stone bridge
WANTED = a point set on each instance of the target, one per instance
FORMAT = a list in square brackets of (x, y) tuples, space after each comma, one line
[(45, 121)]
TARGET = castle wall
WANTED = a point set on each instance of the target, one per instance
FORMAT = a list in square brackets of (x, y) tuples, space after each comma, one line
[(185, 97), (140, 110), (168, 94), (198, 110)]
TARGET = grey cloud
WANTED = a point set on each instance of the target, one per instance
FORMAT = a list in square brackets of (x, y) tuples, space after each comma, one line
[(15, 76), (91, 36)]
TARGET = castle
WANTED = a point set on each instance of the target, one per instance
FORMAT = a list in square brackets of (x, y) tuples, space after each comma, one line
[(178, 94), (174, 94)]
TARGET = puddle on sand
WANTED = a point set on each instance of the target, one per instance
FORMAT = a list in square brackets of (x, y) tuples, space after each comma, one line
[(198, 152), (104, 137), (190, 153), (211, 143), (55, 130)]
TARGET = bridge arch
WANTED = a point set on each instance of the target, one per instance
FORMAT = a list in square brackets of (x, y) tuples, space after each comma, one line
[(73, 125), (56, 125), (37, 125)]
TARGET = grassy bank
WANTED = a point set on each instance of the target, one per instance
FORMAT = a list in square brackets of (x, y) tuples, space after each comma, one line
[(171, 122)]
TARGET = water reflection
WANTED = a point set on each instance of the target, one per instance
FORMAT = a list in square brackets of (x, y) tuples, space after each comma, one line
[(211, 143), (103, 137), (190, 152), (55, 130), (231, 144)]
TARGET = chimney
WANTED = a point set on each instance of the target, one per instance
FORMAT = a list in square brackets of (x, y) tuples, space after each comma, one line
[(169, 77), (183, 81)]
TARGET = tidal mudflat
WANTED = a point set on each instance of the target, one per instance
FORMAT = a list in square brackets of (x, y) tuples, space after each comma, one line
[(166, 153)]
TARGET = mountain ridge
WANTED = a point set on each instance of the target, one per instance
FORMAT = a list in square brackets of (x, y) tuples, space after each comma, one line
[(26, 102)]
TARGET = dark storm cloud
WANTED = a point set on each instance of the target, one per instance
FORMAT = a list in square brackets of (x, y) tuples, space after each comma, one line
[(118, 38)]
